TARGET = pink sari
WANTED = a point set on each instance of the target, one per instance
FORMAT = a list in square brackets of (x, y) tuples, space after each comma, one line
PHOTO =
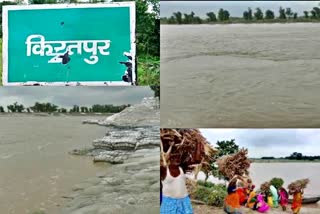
[(283, 197)]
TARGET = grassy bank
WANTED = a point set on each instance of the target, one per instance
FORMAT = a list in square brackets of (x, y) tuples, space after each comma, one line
[(148, 70), (242, 21)]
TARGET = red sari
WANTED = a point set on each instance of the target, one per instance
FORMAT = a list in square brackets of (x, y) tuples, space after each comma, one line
[(242, 195)]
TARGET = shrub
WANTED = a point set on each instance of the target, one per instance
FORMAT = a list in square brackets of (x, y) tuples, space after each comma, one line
[(217, 196), (206, 184), (213, 195)]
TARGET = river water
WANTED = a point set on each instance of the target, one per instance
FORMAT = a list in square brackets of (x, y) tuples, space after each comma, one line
[(36, 169), (240, 75)]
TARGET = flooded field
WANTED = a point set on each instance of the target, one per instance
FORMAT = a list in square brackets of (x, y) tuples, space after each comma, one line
[(256, 75), (36, 169)]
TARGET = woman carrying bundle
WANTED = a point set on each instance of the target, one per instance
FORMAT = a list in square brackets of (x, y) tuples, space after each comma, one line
[(232, 201), (297, 201), (283, 198), (175, 196)]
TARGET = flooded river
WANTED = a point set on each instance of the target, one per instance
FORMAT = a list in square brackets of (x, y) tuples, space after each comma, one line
[(36, 169), (240, 75)]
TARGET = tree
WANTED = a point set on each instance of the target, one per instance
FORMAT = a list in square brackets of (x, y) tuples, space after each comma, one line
[(245, 15), (250, 17), (295, 15), (178, 17), (306, 14), (282, 13), (226, 15), (221, 14), (313, 14), (1, 109), (258, 14), (227, 147), (211, 17), (269, 14), (289, 12), (317, 11), (15, 107)]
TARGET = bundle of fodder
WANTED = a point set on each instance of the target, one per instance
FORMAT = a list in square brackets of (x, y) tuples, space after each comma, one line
[(265, 187), (235, 164), (298, 185), (187, 147)]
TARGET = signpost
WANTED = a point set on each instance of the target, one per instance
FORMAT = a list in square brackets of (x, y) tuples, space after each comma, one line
[(69, 44)]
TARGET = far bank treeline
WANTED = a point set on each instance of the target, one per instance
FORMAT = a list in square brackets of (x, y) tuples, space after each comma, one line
[(249, 16), (52, 108)]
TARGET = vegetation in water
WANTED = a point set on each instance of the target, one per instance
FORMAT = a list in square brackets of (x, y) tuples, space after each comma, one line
[(52, 108), (249, 16)]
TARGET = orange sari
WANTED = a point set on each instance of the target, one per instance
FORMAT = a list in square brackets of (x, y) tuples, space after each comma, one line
[(297, 202)]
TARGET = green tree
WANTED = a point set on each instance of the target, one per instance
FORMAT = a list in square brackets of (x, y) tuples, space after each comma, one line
[(211, 17), (258, 14), (282, 13), (250, 17), (226, 15), (295, 15), (178, 17), (245, 15), (289, 12), (313, 14), (317, 11), (269, 14), (306, 14), (1, 109), (221, 15)]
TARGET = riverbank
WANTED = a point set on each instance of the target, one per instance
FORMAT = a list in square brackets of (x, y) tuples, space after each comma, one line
[(164, 21), (204, 209), (132, 185)]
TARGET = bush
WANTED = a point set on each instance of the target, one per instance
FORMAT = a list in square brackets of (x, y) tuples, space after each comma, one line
[(213, 195), (277, 182), (206, 184), (217, 196)]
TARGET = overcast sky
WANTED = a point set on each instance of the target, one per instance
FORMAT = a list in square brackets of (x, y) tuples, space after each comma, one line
[(236, 8), (69, 96), (269, 142)]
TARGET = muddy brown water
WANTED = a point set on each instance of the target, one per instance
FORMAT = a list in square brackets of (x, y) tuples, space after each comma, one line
[(240, 75), (36, 169)]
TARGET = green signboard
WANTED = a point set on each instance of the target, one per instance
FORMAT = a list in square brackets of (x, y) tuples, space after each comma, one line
[(64, 44)]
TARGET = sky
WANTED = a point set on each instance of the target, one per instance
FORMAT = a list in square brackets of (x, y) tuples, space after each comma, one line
[(69, 96), (269, 142), (236, 8)]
